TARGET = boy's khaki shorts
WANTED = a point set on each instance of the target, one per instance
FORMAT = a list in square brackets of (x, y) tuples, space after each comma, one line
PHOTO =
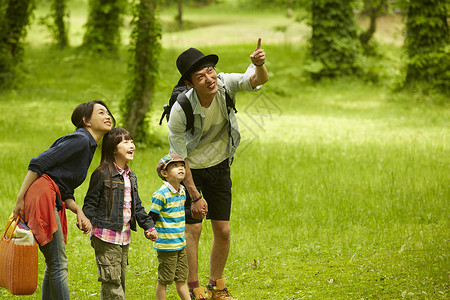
[(172, 266)]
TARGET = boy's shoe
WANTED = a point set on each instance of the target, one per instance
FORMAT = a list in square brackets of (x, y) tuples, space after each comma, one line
[(198, 294), (219, 292)]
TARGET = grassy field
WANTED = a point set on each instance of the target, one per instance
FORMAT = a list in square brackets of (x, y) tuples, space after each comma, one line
[(340, 188)]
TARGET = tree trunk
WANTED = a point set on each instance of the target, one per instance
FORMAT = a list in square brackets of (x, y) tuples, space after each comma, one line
[(144, 68), (373, 9), (180, 13), (427, 43), (103, 26), (334, 40), (59, 13), (12, 33), (367, 35), (14, 24)]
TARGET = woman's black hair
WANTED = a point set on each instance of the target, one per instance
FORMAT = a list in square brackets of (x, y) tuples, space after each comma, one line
[(83, 113), (109, 145)]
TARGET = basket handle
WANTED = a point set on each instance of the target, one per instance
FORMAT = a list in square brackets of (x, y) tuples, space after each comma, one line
[(9, 225)]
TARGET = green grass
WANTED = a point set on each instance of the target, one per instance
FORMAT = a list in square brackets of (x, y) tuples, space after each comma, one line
[(340, 189)]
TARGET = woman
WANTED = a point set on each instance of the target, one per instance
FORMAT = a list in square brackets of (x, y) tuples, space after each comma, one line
[(48, 188)]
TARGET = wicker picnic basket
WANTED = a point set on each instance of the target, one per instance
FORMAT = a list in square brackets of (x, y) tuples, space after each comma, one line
[(18, 265)]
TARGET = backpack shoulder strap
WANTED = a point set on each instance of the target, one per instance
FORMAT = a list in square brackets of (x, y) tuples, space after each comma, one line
[(187, 108), (176, 91), (230, 102), (228, 99)]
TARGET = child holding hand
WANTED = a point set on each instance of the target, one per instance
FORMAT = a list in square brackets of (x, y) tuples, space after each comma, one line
[(113, 206), (168, 213)]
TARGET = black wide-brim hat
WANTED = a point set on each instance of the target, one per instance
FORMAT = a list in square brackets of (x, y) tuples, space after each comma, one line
[(191, 59)]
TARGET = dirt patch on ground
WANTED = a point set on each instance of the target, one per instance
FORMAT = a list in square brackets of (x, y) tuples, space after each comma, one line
[(276, 29), (389, 29)]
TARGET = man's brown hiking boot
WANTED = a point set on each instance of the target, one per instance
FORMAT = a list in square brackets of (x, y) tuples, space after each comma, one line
[(198, 294), (218, 292)]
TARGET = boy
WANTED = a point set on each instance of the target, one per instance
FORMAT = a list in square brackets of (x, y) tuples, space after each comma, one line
[(167, 212)]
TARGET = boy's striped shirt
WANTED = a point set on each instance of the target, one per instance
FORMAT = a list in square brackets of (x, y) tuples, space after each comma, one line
[(169, 204)]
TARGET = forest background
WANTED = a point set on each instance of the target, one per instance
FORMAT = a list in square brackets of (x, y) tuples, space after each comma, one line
[(340, 185)]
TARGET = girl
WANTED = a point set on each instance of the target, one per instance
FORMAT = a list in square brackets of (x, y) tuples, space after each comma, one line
[(49, 187), (113, 206)]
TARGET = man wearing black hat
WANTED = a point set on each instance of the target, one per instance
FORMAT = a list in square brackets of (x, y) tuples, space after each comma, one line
[(208, 151)]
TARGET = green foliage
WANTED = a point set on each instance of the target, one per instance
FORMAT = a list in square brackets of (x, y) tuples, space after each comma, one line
[(334, 41), (14, 19), (3, 6), (273, 3), (189, 2), (7, 68), (428, 44), (145, 49), (56, 23), (105, 19)]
